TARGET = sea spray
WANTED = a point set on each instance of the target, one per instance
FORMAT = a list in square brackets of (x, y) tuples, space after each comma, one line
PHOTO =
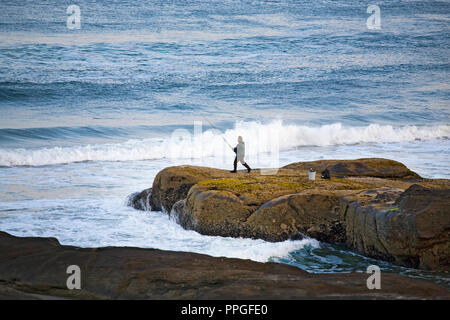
[(259, 140)]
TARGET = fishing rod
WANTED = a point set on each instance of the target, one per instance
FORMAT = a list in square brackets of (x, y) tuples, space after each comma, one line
[(220, 134)]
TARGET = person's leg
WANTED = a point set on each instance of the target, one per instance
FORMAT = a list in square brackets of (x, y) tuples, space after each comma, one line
[(235, 165), (247, 166)]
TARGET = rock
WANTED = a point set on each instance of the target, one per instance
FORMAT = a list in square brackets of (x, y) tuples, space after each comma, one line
[(173, 183), (370, 167), (308, 212), (356, 210), (215, 212), (414, 231), (140, 200), (35, 268), (244, 206)]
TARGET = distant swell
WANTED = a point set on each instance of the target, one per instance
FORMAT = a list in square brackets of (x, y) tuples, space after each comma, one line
[(259, 138)]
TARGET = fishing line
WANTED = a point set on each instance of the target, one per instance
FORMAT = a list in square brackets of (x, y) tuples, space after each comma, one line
[(219, 131)]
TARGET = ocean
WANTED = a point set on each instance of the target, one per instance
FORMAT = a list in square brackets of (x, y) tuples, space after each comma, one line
[(89, 116)]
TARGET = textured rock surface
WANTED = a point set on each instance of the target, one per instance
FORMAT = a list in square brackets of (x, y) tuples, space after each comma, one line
[(141, 200), (248, 205), (370, 167), (173, 183), (35, 268), (359, 210), (307, 212), (413, 231)]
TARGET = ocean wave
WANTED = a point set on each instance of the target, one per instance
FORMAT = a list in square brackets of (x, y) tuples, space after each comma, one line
[(54, 133), (184, 144)]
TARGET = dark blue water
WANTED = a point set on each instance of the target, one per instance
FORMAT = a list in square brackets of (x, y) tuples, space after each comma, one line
[(87, 116), (142, 62)]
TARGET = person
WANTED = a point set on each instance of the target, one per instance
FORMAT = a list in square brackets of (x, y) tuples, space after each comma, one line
[(240, 154)]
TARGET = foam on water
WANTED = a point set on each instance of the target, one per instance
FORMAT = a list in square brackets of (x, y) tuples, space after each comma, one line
[(262, 138), (109, 223)]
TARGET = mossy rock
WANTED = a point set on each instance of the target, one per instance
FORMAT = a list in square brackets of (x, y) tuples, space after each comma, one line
[(173, 183), (361, 205), (257, 189)]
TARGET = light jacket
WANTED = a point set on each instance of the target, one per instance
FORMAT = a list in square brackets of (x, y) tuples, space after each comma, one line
[(240, 150)]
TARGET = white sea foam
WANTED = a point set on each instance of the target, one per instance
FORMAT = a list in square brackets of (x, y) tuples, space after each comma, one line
[(260, 138), (106, 222)]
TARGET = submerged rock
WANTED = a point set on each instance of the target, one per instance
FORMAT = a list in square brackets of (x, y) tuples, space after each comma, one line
[(35, 268), (140, 200), (367, 209)]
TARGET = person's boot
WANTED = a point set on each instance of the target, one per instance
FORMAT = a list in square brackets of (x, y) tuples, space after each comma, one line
[(248, 168), (235, 166)]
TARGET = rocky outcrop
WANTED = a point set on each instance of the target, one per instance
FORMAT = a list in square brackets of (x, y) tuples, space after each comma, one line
[(35, 268), (250, 206), (365, 210), (413, 231), (200, 212), (370, 167), (173, 183), (308, 212)]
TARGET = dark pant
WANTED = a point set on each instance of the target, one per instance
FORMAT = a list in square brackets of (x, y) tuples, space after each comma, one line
[(244, 164)]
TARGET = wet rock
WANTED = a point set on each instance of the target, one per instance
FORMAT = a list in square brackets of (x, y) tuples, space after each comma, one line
[(414, 232), (140, 200)]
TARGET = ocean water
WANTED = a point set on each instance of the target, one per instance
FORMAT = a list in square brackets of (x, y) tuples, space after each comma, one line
[(89, 116)]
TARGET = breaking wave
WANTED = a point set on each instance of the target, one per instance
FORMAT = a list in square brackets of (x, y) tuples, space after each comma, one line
[(184, 144)]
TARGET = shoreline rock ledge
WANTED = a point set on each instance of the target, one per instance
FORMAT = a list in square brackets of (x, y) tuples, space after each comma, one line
[(35, 268), (375, 206)]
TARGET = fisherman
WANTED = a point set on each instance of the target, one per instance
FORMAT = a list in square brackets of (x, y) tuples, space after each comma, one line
[(240, 153)]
